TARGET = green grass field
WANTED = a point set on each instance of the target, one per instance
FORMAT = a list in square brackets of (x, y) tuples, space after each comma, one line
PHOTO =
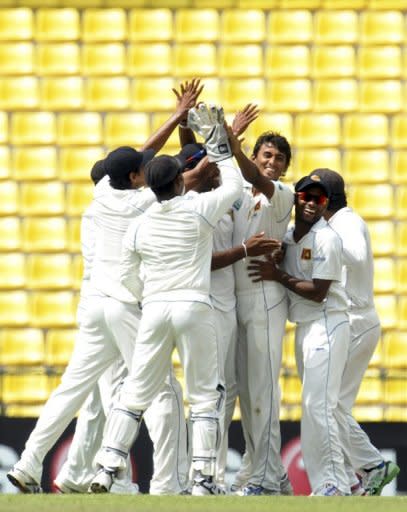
[(145, 503)]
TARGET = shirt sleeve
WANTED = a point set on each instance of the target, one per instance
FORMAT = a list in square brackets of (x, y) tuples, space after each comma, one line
[(354, 238), (282, 201), (327, 256), (130, 263)]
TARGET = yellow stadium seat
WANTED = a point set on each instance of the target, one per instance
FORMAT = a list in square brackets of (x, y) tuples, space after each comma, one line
[(381, 96), (319, 130), (16, 58), (35, 163), (240, 60), (372, 201), (398, 167), (196, 25), (402, 313), (386, 4), (257, 4), (42, 198), (401, 239), (287, 61), (74, 235), (127, 129), (3, 127), (78, 198), (336, 27), (333, 61), (152, 94), (77, 271), (365, 130), (401, 202), (192, 60), (366, 166), (395, 391), (281, 123), (379, 62), (14, 309), (344, 4), (61, 93), (286, 27), (336, 95), (150, 25), (18, 93), (25, 388), (76, 163), (384, 275), (10, 233), (152, 59), (107, 93), (80, 128), (44, 234), (368, 413), (103, 59), (399, 131), (57, 24), (395, 349), (5, 166), (16, 24), (376, 361), (237, 93), (288, 95), (306, 160), (288, 361), (381, 27), (370, 391), (52, 309), (291, 390), (49, 271), (12, 270), (21, 347), (212, 91), (104, 25), (32, 128), (242, 26), (57, 59), (59, 344), (295, 4), (387, 310), (9, 200), (396, 413), (401, 275), (382, 236)]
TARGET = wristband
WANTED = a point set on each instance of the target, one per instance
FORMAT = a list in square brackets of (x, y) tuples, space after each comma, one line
[(245, 249)]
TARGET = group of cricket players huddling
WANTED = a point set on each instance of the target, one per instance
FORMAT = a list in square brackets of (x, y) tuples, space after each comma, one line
[(195, 252)]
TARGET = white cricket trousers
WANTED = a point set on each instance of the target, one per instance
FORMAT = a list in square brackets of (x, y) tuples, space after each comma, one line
[(364, 337), (321, 354), (107, 331), (261, 324), (226, 335), (190, 327)]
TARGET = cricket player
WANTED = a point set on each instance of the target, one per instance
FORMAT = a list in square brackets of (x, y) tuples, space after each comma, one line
[(177, 310), (265, 207), (108, 330), (311, 272), (364, 335)]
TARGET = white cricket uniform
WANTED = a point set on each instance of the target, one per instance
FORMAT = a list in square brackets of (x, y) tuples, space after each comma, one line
[(364, 326), (173, 240), (262, 315), (107, 331), (222, 292), (322, 341)]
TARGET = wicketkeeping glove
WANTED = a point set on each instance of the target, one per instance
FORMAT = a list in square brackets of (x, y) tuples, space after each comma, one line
[(208, 122)]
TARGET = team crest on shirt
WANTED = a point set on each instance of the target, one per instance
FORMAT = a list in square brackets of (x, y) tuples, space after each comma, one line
[(306, 254)]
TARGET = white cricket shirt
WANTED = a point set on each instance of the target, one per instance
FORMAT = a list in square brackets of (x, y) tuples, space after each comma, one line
[(88, 241), (318, 255), (173, 240), (113, 210), (357, 257), (254, 214)]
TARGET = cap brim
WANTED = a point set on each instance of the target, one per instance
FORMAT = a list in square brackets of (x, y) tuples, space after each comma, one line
[(148, 155)]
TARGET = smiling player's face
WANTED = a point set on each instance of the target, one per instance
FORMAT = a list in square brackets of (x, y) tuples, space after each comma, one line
[(310, 205), (271, 162)]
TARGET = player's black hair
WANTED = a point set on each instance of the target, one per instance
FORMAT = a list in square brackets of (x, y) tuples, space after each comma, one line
[(279, 141)]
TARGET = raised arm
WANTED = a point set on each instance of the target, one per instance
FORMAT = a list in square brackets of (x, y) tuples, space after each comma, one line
[(186, 99), (243, 118)]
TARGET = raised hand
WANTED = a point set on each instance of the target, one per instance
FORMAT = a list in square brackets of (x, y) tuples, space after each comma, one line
[(244, 117), (187, 95)]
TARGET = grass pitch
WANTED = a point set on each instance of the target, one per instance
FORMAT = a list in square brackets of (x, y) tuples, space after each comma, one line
[(146, 503)]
